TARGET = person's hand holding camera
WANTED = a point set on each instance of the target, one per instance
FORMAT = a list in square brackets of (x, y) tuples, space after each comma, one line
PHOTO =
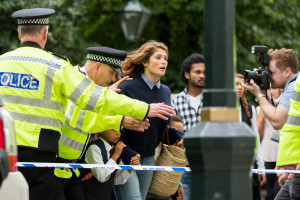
[(252, 87)]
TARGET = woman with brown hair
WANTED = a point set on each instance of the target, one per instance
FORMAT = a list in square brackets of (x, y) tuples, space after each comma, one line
[(248, 115), (146, 66)]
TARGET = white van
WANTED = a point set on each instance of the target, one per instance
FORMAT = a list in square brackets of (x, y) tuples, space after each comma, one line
[(14, 186)]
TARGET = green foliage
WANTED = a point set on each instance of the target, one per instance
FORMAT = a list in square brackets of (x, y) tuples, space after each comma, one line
[(265, 22), (78, 24)]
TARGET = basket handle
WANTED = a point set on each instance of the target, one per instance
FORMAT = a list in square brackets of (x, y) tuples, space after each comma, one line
[(165, 135)]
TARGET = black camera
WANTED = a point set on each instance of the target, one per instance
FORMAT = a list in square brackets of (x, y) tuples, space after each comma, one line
[(261, 77)]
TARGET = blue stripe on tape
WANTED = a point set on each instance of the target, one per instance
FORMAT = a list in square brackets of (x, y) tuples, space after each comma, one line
[(178, 169), (127, 167), (76, 166), (258, 172), (101, 166), (29, 165), (273, 171)]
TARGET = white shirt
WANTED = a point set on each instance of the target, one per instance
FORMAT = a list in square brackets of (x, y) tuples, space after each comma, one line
[(94, 156), (195, 101), (259, 159), (269, 147)]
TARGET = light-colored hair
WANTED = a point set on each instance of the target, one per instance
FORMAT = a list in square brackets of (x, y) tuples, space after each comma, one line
[(133, 64), (32, 30), (243, 100), (284, 58)]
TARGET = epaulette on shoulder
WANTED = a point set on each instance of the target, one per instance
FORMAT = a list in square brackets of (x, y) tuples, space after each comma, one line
[(59, 56)]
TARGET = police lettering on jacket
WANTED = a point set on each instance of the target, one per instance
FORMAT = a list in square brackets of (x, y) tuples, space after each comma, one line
[(18, 80)]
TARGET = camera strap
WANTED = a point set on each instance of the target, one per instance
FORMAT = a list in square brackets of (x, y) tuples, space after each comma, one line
[(294, 79), (272, 101)]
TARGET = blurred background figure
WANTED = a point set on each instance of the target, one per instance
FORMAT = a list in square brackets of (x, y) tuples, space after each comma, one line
[(269, 145), (248, 115), (188, 103)]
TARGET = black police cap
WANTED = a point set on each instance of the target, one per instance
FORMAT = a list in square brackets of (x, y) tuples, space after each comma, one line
[(34, 16), (107, 55)]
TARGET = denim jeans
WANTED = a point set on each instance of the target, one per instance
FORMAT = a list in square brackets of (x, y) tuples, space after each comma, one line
[(186, 183), (137, 186), (290, 190)]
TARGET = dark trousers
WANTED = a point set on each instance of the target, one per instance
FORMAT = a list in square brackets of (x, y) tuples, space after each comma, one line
[(95, 190), (272, 182), (39, 179), (68, 188), (151, 196), (290, 190), (255, 185)]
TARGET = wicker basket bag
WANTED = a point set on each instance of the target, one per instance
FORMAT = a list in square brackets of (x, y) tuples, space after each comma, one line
[(165, 183)]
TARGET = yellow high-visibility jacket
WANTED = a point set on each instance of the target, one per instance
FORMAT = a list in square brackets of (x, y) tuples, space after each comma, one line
[(289, 143), (78, 126), (35, 86)]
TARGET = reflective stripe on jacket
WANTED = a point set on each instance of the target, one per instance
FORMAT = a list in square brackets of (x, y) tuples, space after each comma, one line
[(76, 132), (35, 86), (65, 172), (78, 126)]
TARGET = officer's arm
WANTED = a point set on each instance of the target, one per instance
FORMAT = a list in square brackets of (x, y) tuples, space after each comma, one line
[(122, 105), (97, 122), (90, 122), (85, 94)]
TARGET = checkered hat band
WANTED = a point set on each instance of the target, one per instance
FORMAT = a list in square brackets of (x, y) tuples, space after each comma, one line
[(39, 21), (106, 60)]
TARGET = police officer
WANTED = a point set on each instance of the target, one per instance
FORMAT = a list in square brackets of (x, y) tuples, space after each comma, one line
[(35, 86), (101, 67)]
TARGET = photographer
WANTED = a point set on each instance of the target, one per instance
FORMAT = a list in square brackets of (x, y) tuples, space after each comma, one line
[(283, 70)]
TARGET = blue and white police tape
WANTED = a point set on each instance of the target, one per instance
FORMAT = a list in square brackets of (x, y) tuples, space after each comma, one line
[(138, 167), (102, 166), (274, 171)]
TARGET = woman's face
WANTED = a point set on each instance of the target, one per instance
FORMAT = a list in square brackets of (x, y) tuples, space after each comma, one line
[(274, 92), (240, 90), (157, 64)]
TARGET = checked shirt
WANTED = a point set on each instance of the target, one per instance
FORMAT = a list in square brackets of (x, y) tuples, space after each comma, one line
[(188, 114)]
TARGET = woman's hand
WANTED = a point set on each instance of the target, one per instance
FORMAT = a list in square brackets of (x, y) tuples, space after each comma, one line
[(180, 143), (262, 179), (135, 160), (180, 193)]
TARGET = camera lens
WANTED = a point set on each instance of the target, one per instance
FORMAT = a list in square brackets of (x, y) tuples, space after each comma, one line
[(252, 75)]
